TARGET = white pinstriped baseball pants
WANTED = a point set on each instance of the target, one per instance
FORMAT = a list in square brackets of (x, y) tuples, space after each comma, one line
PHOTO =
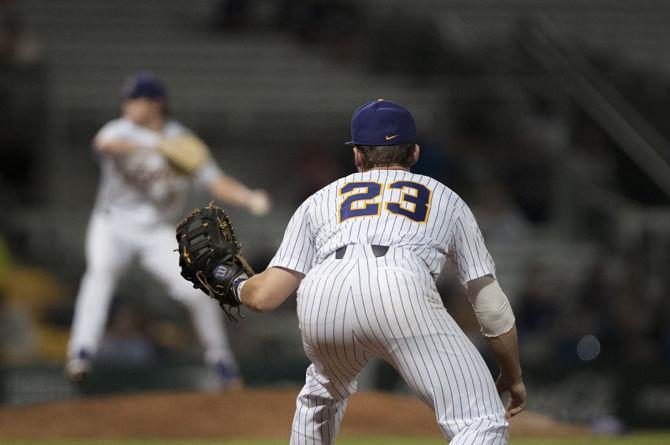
[(110, 248), (359, 307)]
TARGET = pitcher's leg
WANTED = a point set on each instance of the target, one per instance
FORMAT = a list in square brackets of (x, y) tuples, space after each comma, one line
[(162, 261), (106, 258)]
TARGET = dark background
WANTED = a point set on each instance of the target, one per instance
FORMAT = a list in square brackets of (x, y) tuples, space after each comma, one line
[(548, 117)]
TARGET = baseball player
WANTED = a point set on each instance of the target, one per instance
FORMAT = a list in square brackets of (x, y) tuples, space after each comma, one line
[(363, 254), (140, 192)]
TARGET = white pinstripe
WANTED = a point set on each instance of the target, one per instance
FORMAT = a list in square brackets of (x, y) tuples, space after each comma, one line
[(360, 306)]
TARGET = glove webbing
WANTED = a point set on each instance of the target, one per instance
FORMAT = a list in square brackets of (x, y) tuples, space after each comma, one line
[(213, 292)]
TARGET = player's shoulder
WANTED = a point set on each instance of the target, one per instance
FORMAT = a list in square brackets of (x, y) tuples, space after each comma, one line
[(390, 176), (173, 127), (115, 128), (320, 194), (445, 191), (334, 186), (120, 123), (441, 194)]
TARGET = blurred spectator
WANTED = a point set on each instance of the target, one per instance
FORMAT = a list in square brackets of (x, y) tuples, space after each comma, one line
[(593, 158), (537, 315), (5, 259), (662, 328), (413, 44), (31, 293), (628, 327), (479, 138), (630, 322), (18, 336), (500, 220), (530, 178), (22, 104), (317, 167), (628, 314), (319, 21), (17, 46), (545, 125), (436, 161), (231, 14), (326, 22)]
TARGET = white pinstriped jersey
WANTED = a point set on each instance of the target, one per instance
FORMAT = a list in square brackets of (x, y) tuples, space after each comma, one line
[(143, 187), (364, 304), (388, 208)]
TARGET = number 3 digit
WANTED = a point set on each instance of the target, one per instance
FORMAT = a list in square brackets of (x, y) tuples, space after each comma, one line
[(415, 201)]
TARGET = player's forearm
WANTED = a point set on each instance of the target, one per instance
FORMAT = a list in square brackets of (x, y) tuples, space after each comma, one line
[(252, 295), (506, 352), (115, 147), (230, 191), (233, 192), (267, 290)]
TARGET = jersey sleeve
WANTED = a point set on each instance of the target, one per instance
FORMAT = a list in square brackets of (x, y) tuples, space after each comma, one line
[(467, 248), (297, 249), (207, 174), (110, 131)]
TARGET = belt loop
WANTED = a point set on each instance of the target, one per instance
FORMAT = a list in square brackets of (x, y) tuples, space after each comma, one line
[(379, 251), (339, 253)]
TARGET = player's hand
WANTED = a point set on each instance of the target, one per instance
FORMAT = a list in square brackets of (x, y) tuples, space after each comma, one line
[(517, 394), (259, 202)]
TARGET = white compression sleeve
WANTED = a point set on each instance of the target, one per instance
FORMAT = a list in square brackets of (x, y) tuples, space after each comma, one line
[(493, 310)]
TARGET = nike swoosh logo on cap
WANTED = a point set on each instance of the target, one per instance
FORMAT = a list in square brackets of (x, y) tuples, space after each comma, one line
[(388, 138)]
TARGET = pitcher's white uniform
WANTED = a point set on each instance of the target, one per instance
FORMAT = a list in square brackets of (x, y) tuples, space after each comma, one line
[(138, 199), (369, 301)]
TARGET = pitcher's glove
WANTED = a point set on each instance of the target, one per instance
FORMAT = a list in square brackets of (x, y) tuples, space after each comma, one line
[(209, 256), (185, 152)]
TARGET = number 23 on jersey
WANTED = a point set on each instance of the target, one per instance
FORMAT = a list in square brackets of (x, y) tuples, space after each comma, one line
[(360, 199)]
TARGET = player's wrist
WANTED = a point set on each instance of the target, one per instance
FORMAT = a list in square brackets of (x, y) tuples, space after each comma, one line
[(511, 377), (237, 285)]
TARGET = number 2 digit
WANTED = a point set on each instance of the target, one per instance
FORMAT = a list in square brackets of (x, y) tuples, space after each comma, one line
[(358, 203)]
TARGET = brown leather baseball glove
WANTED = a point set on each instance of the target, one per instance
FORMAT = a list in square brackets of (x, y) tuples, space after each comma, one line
[(209, 256)]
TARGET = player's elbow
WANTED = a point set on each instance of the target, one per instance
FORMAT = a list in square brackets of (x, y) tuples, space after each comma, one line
[(493, 310), (101, 148)]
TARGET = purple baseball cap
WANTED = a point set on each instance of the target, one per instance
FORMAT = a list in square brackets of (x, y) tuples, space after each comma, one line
[(382, 122), (143, 84)]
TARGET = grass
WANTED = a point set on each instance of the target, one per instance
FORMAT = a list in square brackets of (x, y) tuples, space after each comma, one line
[(634, 439)]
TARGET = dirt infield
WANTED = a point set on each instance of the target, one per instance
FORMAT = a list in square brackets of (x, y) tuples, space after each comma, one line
[(252, 413)]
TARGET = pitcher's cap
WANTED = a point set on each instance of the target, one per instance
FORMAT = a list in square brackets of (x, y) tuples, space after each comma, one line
[(143, 84)]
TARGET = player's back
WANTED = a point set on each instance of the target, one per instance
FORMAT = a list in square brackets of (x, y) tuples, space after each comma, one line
[(387, 208)]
